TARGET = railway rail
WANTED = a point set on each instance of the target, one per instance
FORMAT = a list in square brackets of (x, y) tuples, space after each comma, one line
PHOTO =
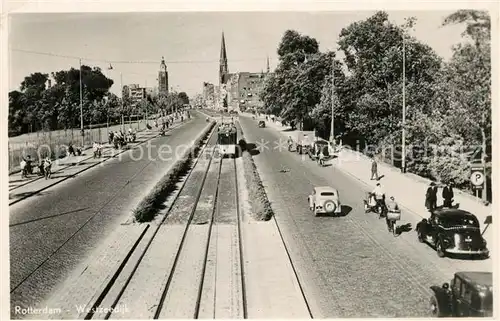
[(195, 248), (111, 295)]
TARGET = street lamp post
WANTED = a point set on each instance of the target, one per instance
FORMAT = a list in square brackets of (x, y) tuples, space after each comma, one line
[(403, 125), (403, 144), (81, 104), (332, 129), (121, 88)]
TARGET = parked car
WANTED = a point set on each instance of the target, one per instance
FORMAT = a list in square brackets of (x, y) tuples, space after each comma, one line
[(304, 141), (324, 200), (453, 231), (319, 146), (262, 124), (470, 295)]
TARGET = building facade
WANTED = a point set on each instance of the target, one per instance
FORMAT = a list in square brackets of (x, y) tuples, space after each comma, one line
[(239, 90), (209, 95)]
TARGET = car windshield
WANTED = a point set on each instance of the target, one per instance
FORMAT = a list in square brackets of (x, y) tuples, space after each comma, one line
[(483, 302), (327, 194), (460, 220), (488, 302), (224, 140)]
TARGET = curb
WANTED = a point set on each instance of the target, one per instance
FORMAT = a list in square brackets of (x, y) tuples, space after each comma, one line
[(91, 166)]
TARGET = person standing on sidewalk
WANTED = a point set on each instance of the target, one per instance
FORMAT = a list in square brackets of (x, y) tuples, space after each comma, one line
[(447, 195), (431, 197), (374, 170)]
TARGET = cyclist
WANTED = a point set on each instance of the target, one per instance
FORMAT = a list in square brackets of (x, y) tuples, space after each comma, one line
[(290, 143), (392, 207)]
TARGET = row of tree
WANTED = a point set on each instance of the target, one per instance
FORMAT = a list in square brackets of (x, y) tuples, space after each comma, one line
[(38, 106), (448, 104)]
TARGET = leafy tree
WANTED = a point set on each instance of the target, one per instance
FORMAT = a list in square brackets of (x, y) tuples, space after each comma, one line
[(295, 87), (17, 114), (374, 59), (184, 97)]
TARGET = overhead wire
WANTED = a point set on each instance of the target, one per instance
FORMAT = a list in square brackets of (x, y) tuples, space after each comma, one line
[(132, 61)]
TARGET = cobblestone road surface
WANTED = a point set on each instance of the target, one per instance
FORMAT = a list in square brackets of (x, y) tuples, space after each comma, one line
[(350, 266)]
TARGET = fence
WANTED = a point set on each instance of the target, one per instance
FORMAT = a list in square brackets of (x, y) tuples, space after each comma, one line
[(53, 143)]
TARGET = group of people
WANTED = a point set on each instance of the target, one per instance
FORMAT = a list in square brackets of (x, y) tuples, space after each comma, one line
[(97, 148), (119, 138), (44, 167), (390, 205)]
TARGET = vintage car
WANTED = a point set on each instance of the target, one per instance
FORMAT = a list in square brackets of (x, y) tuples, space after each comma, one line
[(324, 200), (470, 295), (320, 146), (452, 231), (304, 141), (262, 124)]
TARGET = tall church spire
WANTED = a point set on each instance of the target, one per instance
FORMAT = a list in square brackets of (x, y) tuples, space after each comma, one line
[(223, 70)]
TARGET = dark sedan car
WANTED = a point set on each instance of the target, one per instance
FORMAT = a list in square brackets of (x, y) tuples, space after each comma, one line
[(262, 124), (453, 231), (470, 295)]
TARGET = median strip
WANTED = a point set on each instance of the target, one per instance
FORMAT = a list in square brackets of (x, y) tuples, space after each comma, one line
[(261, 207)]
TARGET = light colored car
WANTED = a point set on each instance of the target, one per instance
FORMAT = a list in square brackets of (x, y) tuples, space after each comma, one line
[(325, 200)]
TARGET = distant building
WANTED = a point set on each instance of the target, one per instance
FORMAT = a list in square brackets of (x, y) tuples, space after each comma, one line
[(240, 90), (209, 95), (135, 92), (163, 78)]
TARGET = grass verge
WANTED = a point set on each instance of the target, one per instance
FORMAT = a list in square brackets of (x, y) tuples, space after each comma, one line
[(261, 207), (149, 207)]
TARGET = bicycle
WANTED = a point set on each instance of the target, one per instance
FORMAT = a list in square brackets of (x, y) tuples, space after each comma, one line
[(392, 217)]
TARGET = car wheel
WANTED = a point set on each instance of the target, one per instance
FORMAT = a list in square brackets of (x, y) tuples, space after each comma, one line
[(329, 206), (420, 237), (434, 307), (439, 249)]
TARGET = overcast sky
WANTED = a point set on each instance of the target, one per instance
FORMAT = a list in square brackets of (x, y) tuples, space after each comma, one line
[(190, 42)]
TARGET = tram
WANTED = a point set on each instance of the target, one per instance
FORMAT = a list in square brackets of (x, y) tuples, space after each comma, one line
[(227, 139)]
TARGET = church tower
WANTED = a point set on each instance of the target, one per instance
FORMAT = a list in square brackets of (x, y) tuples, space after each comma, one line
[(223, 70), (163, 78)]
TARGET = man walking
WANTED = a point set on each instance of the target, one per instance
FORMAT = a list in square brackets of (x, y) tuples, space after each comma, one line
[(374, 170), (447, 195)]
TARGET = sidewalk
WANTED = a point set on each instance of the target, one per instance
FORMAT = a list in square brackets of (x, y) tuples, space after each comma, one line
[(408, 189), (62, 169)]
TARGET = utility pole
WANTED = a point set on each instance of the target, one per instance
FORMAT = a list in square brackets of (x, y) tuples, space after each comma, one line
[(332, 129), (81, 104), (403, 144)]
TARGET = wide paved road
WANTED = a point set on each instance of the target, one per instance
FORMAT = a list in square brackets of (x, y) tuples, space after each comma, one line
[(350, 266), (52, 232)]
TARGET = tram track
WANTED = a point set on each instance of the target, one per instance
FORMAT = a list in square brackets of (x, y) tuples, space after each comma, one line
[(191, 261), (117, 290), (143, 243)]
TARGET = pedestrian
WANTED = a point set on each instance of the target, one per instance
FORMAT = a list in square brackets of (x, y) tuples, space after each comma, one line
[(431, 197), (47, 168), (374, 170), (447, 195)]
